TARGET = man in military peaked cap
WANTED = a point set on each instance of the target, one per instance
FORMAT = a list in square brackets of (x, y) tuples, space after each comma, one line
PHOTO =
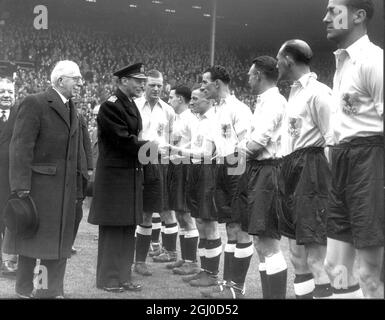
[(117, 203)]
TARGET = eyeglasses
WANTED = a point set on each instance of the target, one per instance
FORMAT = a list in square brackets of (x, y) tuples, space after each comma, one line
[(76, 79)]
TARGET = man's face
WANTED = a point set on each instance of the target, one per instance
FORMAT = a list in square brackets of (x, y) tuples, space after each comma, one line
[(7, 95), (70, 84), (253, 79), (173, 99), (338, 20), (199, 103), (209, 86), (153, 88), (283, 66), (133, 86)]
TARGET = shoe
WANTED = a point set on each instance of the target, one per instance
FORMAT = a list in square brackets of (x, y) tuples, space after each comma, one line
[(113, 289), (193, 276), (176, 264), (206, 280), (156, 251), (8, 268), (187, 268), (166, 256), (142, 268), (73, 250), (24, 296), (223, 291), (130, 286)]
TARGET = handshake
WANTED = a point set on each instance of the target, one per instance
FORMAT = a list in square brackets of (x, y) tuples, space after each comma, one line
[(165, 149)]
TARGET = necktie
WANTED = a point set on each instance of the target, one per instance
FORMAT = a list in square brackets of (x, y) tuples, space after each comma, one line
[(3, 116)]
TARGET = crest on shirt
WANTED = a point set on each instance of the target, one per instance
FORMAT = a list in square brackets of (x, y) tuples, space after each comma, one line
[(177, 140), (160, 130), (199, 141), (295, 125), (226, 131), (350, 103)]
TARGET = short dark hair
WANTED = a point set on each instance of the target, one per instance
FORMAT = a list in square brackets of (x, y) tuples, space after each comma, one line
[(154, 74), (184, 92), (219, 73), (297, 52), (268, 66), (366, 5)]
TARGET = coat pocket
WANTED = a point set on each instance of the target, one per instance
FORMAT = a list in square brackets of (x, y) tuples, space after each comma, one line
[(48, 169)]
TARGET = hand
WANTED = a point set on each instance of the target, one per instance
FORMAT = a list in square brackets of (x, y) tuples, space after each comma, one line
[(242, 149), (164, 148), (22, 193)]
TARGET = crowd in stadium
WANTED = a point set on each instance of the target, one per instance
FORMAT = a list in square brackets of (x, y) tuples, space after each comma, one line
[(272, 142), (181, 59)]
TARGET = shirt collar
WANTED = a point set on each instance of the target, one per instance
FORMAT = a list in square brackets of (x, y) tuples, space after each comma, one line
[(7, 112), (158, 103), (63, 98), (207, 115), (304, 80), (269, 92), (355, 49)]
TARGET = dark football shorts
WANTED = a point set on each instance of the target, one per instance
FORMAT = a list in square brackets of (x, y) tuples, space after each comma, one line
[(257, 199), (226, 190), (356, 207), (155, 198), (177, 187), (200, 192), (303, 181)]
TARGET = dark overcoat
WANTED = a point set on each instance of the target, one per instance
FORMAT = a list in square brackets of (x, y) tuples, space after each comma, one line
[(119, 175), (44, 159), (86, 161), (5, 138)]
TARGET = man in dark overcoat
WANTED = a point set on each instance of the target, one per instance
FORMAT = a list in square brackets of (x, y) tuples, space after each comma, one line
[(44, 159), (8, 111), (117, 202), (84, 172)]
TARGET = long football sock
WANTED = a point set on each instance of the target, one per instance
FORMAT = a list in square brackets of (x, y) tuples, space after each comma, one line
[(276, 272), (304, 286), (241, 263), (156, 225), (229, 257), (191, 243), (213, 255), (170, 236), (143, 239)]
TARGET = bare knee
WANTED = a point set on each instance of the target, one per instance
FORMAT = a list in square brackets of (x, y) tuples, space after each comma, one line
[(370, 277), (147, 219), (266, 246), (168, 216), (232, 230)]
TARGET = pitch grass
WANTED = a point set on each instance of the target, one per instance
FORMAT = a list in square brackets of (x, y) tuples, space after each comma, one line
[(79, 282)]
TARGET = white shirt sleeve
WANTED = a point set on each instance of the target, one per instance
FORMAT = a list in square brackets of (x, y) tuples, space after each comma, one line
[(374, 82), (265, 129), (321, 114)]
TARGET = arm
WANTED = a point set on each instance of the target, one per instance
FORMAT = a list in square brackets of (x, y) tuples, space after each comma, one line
[(87, 145), (374, 80), (110, 122), (321, 115), (21, 148)]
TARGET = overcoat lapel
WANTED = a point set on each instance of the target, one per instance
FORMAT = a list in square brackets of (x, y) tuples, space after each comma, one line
[(57, 104)]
